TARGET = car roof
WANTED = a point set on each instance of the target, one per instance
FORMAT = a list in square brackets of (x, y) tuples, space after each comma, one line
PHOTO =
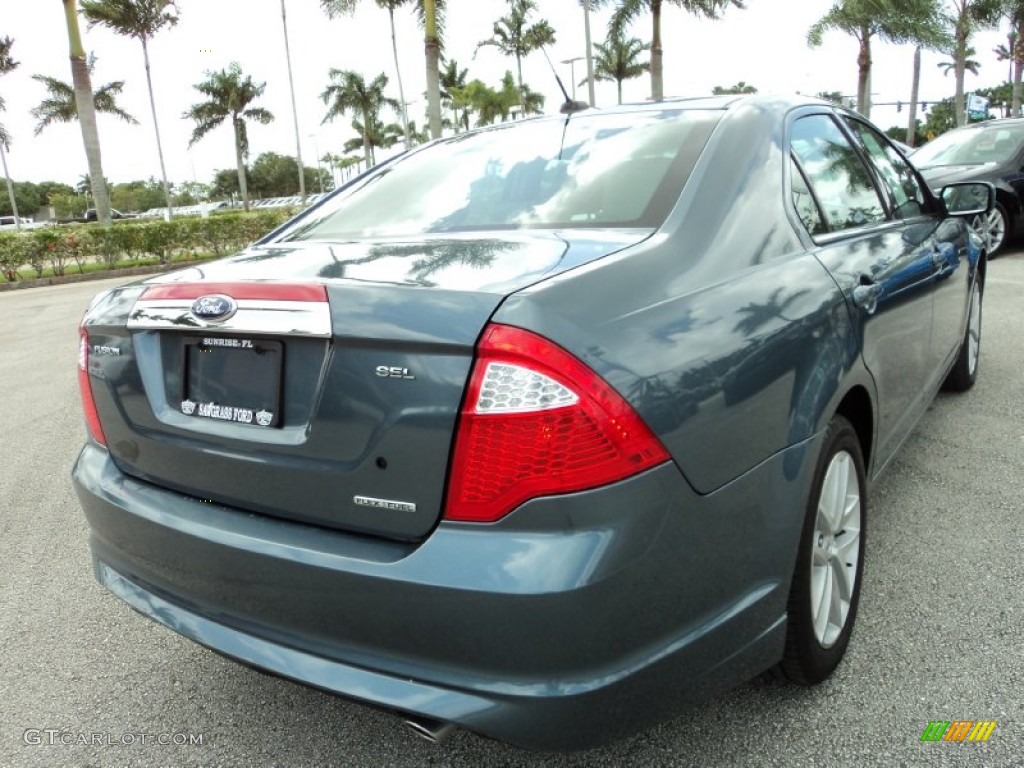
[(987, 125), (769, 102)]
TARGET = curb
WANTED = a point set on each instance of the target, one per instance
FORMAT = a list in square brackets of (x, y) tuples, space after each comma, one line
[(90, 276)]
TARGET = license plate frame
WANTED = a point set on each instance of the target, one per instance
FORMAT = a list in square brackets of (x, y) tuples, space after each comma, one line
[(232, 379)]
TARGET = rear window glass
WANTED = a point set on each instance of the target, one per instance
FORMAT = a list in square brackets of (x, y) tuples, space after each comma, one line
[(622, 170)]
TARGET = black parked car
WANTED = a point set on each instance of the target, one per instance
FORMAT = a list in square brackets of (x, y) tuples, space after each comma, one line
[(542, 430), (992, 151), (92, 215)]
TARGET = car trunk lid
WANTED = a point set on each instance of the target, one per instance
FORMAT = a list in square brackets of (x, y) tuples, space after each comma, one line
[(328, 395)]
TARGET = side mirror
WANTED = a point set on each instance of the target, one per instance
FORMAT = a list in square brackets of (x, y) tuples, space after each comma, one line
[(968, 198)]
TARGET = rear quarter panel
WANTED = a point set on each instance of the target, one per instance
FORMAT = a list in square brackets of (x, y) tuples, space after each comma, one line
[(730, 340)]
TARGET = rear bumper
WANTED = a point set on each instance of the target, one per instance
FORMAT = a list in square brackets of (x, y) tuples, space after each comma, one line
[(569, 623)]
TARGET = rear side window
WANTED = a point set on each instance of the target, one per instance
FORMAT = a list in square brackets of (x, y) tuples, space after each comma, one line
[(908, 199), (836, 174), (620, 170)]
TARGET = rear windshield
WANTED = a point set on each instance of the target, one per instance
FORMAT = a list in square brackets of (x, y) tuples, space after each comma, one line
[(619, 170)]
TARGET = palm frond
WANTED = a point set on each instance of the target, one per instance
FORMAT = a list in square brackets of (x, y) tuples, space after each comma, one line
[(7, 62), (625, 13), (140, 19), (60, 105), (336, 8)]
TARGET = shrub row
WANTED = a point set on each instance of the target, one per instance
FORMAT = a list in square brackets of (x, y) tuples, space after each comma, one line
[(68, 247)]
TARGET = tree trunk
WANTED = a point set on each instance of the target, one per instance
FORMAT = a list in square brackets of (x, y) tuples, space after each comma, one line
[(519, 74), (432, 49), (864, 73), (657, 83), (156, 130), (10, 188), (398, 76), (959, 66), (295, 111), (86, 113), (619, 83), (243, 188), (367, 149), (1018, 70), (915, 87), (590, 55)]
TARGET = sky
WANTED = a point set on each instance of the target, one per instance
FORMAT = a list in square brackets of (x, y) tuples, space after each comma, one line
[(760, 45)]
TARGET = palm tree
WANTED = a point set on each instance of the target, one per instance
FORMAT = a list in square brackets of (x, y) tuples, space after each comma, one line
[(618, 60), (915, 21), (59, 105), (7, 64), (970, 65), (514, 36), (140, 19), (376, 135), (915, 90), (627, 11), (86, 112), (453, 85), (431, 17), (336, 7), (968, 17), (229, 95), (492, 104), (1014, 52), (349, 92)]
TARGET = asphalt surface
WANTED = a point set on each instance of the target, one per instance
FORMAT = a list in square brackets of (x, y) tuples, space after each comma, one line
[(940, 635)]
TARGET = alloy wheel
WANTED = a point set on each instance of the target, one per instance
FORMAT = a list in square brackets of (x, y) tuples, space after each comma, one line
[(835, 549), (990, 227)]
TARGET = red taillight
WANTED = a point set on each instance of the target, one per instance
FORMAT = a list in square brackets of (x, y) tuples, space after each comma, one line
[(92, 418), (535, 422)]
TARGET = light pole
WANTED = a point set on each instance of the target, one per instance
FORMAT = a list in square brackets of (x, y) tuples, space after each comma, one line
[(572, 71), (295, 111)]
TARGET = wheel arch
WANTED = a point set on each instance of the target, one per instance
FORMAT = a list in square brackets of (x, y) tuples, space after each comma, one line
[(857, 409)]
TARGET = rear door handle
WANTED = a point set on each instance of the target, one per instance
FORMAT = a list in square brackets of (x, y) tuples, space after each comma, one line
[(943, 255), (866, 295)]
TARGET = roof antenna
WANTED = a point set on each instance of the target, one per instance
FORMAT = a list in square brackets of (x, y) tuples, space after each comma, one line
[(570, 106)]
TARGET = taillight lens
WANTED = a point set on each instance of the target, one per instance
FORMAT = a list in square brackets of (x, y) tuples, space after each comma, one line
[(535, 422), (92, 418)]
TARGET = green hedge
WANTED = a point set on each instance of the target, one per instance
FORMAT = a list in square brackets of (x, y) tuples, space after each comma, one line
[(69, 248)]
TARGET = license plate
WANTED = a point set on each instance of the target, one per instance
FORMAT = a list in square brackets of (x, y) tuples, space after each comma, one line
[(232, 379)]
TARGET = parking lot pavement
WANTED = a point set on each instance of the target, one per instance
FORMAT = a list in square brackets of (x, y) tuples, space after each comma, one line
[(940, 636)]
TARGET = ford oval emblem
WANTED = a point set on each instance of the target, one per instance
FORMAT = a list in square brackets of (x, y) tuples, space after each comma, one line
[(215, 308)]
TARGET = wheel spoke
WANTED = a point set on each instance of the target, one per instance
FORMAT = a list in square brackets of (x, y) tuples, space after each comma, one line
[(974, 330), (845, 572), (823, 605), (837, 607)]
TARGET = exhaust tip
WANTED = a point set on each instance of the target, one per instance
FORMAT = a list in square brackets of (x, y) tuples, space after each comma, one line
[(434, 731)]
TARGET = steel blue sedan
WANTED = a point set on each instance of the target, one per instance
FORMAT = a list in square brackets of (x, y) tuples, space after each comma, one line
[(544, 430)]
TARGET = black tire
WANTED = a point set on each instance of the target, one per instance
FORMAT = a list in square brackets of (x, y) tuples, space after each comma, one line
[(812, 650), (993, 237), (964, 372)]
